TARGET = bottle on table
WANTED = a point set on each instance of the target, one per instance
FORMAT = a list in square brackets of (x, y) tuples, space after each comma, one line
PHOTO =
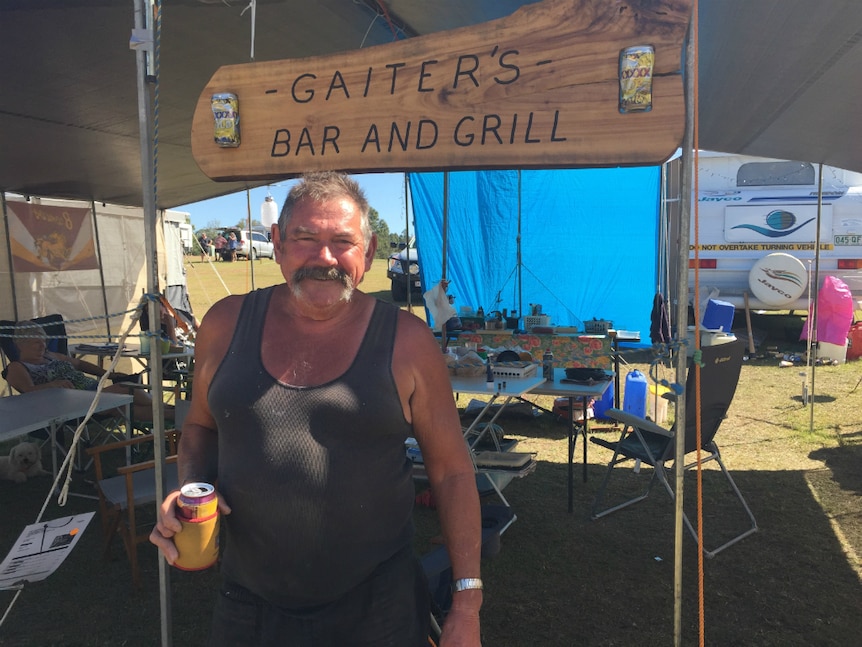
[(548, 365)]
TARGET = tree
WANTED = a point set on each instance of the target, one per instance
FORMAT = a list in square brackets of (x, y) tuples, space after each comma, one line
[(243, 223), (380, 228)]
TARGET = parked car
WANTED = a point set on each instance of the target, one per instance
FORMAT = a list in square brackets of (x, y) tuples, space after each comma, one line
[(261, 246), (403, 270)]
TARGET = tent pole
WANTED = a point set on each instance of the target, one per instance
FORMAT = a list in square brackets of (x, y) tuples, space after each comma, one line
[(9, 255), (250, 256), (812, 336), (519, 259), (445, 252), (687, 176), (407, 240), (143, 16), (101, 269), (408, 209)]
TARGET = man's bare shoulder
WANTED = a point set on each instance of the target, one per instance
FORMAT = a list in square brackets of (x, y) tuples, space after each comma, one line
[(414, 337), (411, 324), (222, 316)]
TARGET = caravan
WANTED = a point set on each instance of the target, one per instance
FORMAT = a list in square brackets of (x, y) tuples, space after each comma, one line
[(757, 231)]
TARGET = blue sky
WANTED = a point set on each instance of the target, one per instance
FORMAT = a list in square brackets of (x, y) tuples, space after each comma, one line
[(385, 193)]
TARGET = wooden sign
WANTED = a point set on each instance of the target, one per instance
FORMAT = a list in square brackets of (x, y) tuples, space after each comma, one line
[(542, 88)]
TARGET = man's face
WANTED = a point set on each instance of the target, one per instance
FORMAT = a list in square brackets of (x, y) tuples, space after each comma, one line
[(323, 257)]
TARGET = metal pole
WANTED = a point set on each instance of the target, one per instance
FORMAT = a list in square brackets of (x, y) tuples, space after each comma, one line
[(143, 16), (9, 256), (101, 269), (687, 173), (445, 251), (407, 239), (519, 260), (250, 256), (812, 336)]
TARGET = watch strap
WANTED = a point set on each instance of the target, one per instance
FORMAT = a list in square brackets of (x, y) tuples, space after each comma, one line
[(466, 584)]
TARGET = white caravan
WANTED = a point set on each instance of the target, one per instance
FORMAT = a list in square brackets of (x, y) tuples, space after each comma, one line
[(757, 230)]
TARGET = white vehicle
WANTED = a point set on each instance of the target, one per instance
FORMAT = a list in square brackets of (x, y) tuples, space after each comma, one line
[(757, 230)]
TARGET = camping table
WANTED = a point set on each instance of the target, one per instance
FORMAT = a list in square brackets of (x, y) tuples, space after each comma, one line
[(572, 391), (133, 352), (130, 351), (509, 388), (51, 408)]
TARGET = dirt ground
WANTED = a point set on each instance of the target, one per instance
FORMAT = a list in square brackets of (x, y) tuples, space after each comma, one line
[(562, 579)]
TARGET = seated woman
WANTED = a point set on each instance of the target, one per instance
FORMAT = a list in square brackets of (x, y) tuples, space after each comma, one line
[(39, 368)]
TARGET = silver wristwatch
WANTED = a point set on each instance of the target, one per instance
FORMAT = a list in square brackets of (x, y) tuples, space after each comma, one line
[(467, 583)]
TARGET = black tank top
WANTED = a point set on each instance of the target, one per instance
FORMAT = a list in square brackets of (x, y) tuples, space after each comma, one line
[(317, 477)]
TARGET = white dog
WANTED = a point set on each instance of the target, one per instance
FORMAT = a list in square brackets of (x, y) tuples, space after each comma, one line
[(25, 459)]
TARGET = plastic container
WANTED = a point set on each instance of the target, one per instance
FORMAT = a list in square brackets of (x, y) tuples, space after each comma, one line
[(606, 402), (548, 365), (635, 394), (718, 315), (145, 344), (708, 338), (854, 350), (657, 405), (832, 352)]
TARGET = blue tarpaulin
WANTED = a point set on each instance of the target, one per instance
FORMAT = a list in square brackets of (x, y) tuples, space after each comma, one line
[(588, 243)]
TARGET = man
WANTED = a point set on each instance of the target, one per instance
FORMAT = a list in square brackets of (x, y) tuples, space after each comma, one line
[(219, 243), (205, 242), (303, 396)]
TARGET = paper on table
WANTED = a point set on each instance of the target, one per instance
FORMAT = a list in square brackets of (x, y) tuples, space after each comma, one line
[(40, 549)]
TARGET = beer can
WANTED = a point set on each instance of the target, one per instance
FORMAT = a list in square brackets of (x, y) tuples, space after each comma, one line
[(636, 69), (225, 106), (197, 500), (198, 541)]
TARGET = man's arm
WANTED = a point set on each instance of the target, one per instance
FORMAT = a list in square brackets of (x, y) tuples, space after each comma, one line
[(197, 459), (421, 372)]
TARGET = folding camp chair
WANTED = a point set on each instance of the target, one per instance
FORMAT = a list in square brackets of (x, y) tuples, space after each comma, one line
[(125, 490), (643, 440)]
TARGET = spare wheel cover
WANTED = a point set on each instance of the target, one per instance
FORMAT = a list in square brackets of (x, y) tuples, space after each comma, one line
[(778, 279)]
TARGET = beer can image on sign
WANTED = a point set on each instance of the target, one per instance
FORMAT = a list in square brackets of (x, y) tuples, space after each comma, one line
[(198, 542), (225, 107), (636, 66)]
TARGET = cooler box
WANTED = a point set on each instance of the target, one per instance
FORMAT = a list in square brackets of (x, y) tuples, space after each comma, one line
[(604, 403), (708, 338), (718, 315), (832, 352)]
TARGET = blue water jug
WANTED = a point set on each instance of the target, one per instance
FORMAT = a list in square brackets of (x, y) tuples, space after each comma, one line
[(606, 402), (635, 394)]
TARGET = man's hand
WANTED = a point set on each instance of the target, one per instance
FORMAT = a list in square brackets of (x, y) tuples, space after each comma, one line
[(168, 525), (461, 629)]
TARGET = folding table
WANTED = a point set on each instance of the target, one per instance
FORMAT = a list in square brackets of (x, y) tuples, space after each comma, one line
[(51, 409), (573, 391), (130, 351), (510, 388)]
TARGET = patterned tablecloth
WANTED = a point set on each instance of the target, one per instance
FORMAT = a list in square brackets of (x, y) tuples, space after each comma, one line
[(568, 350)]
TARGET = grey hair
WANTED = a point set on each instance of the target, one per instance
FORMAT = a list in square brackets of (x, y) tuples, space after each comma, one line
[(28, 330), (326, 185)]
